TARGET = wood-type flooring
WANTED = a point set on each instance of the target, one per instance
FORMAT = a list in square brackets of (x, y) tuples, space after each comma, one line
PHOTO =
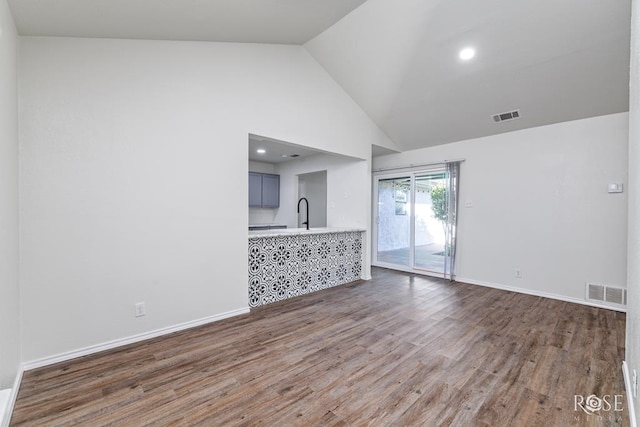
[(399, 350)]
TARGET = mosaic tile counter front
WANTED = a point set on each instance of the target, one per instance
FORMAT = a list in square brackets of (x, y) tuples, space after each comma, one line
[(286, 265)]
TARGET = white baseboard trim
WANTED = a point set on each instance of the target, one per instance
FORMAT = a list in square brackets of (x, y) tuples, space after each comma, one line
[(8, 409), (538, 294), (62, 357), (627, 386), (5, 395)]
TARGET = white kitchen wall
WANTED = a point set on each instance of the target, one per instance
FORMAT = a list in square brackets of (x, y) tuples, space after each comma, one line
[(632, 356), (540, 204), (9, 286), (348, 203), (262, 167), (120, 202), (260, 215), (313, 186)]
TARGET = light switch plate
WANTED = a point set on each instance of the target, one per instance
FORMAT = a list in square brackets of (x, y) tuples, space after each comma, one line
[(615, 187), (140, 309)]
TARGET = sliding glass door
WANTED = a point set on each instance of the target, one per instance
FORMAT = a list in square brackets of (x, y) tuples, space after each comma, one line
[(394, 221), (415, 220), (429, 231)]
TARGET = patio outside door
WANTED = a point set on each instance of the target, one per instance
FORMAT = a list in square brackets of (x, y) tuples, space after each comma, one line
[(415, 221), (394, 222), (429, 222)]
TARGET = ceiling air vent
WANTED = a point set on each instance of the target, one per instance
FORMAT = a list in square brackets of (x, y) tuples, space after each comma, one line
[(503, 117), (606, 294)]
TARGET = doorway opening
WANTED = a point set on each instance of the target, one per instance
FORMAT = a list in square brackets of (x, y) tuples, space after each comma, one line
[(313, 186)]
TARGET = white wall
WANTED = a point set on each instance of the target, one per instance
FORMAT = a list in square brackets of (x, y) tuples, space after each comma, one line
[(348, 204), (394, 229), (9, 285), (261, 167), (313, 186), (119, 201), (632, 355), (540, 204), (260, 215)]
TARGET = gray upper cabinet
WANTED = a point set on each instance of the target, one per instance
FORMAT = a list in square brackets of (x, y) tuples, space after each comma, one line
[(255, 190), (270, 191), (264, 190)]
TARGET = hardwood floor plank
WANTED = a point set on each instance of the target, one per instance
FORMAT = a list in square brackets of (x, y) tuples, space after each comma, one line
[(399, 350)]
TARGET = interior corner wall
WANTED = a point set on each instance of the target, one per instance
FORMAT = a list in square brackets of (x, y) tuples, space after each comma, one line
[(134, 176), (632, 355), (540, 204), (9, 283)]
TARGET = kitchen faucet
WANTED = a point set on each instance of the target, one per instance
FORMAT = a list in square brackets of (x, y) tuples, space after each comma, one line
[(307, 221)]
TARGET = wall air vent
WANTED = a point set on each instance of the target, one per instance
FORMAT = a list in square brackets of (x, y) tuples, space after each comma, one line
[(503, 117), (606, 294)]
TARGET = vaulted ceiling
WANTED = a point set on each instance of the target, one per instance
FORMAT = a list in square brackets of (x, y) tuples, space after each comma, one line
[(252, 21), (554, 60)]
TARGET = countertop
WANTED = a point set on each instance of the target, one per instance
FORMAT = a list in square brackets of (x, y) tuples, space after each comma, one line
[(256, 234)]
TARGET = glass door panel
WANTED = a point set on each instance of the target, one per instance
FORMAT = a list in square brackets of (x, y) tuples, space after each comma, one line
[(394, 221), (415, 224), (430, 222)]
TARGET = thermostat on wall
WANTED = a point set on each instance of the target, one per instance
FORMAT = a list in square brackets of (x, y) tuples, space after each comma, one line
[(615, 188)]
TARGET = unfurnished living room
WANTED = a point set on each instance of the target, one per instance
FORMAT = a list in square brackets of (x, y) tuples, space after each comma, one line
[(319, 212)]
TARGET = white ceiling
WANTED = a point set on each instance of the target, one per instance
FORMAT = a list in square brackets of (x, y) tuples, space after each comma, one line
[(276, 151), (554, 60), (254, 21)]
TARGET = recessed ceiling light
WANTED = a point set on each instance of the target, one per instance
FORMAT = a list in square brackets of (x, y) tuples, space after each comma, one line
[(261, 151), (467, 53)]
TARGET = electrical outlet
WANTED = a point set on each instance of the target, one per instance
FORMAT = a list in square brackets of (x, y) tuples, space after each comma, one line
[(518, 273), (140, 310), (634, 384)]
